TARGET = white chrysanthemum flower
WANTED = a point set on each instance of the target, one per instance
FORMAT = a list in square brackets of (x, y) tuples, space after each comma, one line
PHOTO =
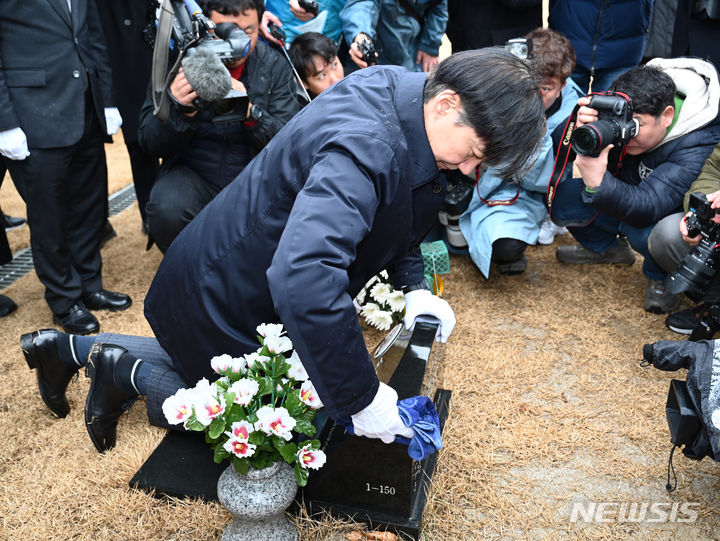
[(380, 292), (383, 320), (384, 274), (396, 301)]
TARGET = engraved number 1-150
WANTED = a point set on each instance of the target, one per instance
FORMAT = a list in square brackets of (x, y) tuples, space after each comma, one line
[(382, 489)]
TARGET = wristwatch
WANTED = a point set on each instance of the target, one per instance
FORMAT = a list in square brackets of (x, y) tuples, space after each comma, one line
[(255, 112), (413, 287)]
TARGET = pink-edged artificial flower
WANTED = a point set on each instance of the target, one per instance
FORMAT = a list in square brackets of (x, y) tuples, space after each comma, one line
[(240, 430), (278, 344), (297, 370), (252, 358), (239, 448), (311, 458), (225, 365), (178, 407), (267, 330), (207, 406), (309, 396), (244, 389), (275, 422)]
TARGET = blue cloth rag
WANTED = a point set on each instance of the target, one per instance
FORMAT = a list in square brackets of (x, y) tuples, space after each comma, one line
[(417, 412)]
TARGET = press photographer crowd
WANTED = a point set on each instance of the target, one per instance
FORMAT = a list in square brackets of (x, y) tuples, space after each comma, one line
[(284, 153)]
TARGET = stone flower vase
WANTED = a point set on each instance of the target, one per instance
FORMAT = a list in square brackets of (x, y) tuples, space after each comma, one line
[(257, 501)]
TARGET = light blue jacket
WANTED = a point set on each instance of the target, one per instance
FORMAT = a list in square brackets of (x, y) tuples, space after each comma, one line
[(397, 36), (482, 224), (327, 22)]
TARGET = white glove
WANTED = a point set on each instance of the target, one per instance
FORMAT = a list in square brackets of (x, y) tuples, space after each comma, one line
[(113, 120), (422, 301), (13, 144), (381, 418)]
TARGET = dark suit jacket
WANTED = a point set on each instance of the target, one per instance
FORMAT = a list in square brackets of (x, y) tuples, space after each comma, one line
[(123, 22), (48, 58)]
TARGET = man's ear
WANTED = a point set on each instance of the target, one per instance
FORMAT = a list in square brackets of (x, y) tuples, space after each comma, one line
[(446, 101), (666, 117)]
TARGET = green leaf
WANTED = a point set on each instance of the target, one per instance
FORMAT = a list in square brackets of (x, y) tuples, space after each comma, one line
[(220, 453), (265, 385), (242, 465), (257, 437), (301, 474), (287, 451), (305, 427), (216, 428), (194, 424), (293, 404), (314, 444), (229, 400)]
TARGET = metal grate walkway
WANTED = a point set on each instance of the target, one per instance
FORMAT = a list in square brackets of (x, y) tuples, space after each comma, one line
[(22, 262)]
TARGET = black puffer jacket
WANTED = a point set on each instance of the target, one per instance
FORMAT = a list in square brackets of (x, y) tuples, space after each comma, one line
[(219, 151)]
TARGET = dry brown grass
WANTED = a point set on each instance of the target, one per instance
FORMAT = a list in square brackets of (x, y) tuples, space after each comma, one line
[(549, 407)]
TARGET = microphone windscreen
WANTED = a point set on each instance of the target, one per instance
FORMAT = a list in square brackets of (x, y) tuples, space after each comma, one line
[(206, 74)]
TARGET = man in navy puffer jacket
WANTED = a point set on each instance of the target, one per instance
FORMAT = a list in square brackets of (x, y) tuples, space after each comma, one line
[(626, 191)]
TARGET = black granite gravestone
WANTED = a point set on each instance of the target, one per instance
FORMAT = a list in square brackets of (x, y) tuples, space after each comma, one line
[(372, 481), (363, 478)]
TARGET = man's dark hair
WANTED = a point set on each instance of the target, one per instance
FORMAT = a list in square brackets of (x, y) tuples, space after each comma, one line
[(305, 47), (232, 7), (501, 102), (650, 89)]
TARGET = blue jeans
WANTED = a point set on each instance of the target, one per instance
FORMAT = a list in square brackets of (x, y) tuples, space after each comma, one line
[(597, 231), (601, 81)]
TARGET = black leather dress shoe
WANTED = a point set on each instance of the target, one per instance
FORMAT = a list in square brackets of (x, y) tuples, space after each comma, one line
[(53, 375), (105, 402), (77, 320), (102, 299)]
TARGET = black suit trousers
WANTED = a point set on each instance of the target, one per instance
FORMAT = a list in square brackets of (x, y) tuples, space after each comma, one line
[(65, 190)]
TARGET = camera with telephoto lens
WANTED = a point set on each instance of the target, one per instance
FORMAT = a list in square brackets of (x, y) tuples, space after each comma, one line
[(698, 267), (615, 124), (311, 6), (367, 50), (457, 200), (193, 32)]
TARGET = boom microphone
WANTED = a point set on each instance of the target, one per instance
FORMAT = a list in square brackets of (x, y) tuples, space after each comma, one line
[(206, 74)]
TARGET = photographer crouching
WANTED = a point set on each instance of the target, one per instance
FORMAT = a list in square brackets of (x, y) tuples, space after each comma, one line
[(635, 170), (204, 146), (683, 244)]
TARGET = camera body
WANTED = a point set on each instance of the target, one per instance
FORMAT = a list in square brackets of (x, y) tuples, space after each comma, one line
[(457, 200), (615, 124), (368, 52), (311, 6), (699, 266), (520, 47)]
